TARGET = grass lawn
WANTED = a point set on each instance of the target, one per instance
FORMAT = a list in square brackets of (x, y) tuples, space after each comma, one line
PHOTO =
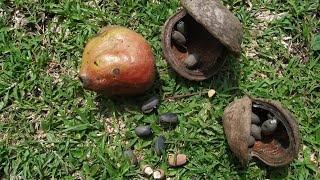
[(50, 127)]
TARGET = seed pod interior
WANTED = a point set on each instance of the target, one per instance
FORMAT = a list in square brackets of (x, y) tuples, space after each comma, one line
[(276, 149), (208, 33)]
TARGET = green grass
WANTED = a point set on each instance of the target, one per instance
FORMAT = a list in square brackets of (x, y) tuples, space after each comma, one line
[(50, 127)]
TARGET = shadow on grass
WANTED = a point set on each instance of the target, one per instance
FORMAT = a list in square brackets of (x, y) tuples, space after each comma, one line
[(224, 81)]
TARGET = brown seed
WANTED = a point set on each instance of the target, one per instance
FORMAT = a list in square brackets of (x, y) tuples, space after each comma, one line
[(177, 160), (147, 170), (158, 174)]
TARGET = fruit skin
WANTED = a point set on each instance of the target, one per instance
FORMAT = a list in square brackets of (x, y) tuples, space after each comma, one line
[(117, 61)]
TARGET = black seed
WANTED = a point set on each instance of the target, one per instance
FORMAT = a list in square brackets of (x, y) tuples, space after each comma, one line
[(251, 141), (160, 145), (255, 131), (269, 126), (182, 28), (255, 119), (178, 38), (132, 157), (150, 104), (168, 119), (143, 131)]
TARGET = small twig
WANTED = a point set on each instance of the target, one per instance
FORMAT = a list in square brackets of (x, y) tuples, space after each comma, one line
[(179, 96)]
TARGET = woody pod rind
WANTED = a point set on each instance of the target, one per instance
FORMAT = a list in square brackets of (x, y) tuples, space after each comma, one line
[(278, 149), (212, 32)]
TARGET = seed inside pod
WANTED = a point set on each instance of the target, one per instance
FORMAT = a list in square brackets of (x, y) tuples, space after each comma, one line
[(269, 126), (147, 170), (255, 119), (191, 60), (150, 104), (160, 145), (255, 131), (251, 141), (182, 27), (178, 38), (158, 174), (132, 157), (143, 131), (168, 119), (177, 160)]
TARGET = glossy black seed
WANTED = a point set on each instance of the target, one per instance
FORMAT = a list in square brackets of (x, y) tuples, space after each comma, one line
[(255, 131), (131, 156), (178, 38), (191, 60), (269, 126), (182, 28), (251, 141), (160, 145), (149, 105), (143, 131), (168, 119), (255, 119)]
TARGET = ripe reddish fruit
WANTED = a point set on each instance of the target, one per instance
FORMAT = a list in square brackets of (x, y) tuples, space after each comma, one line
[(117, 61)]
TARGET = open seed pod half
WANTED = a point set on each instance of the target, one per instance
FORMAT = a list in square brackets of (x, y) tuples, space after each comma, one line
[(276, 149), (197, 39)]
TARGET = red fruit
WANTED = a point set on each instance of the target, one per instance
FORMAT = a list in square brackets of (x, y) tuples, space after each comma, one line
[(117, 61)]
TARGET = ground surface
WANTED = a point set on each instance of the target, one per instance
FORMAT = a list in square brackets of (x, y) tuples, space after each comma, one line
[(51, 128)]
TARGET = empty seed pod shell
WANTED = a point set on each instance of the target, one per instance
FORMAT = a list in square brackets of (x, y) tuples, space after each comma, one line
[(149, 105), (147, 170), (168, 119), (255, 132), (178, 38), (182, 27), (191, 60), (160, 145), (255, 119), (132, 157), (210, 34), (251, 141), (177, 160), (269, 126), (143, 131), (278, 149), (159, 174)]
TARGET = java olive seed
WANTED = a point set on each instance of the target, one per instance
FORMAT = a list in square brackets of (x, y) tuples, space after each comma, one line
[(147, 170), (269, 126), (255, 119), (191, 60), (131, 156), (255, 131), (160, 145), (150, 104), (158, 174), (177, 159), (168, 119), (182, 28), (251, 141), (143, 131), (178, 38)]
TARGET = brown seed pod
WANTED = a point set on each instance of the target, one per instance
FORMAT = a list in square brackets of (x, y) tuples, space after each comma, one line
[(277, 149), (211, 35)]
